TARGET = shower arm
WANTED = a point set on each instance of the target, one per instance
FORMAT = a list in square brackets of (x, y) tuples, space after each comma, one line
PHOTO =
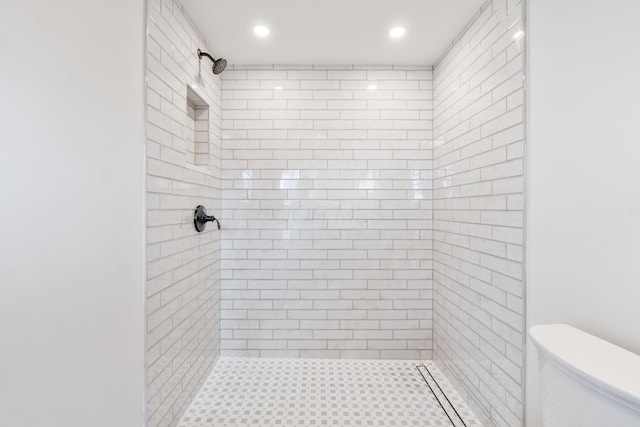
[(201, 54)]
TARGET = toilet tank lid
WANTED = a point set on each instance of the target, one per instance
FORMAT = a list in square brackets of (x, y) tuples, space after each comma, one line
[(602, 365)]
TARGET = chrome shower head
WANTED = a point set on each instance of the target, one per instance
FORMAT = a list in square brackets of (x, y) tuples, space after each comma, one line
[(218, 64)]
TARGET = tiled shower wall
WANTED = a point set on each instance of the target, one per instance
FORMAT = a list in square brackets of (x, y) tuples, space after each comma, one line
[(327, 212), (183, 268), (478, 213)]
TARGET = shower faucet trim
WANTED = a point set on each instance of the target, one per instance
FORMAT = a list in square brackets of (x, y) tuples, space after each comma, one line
[(200, 219)]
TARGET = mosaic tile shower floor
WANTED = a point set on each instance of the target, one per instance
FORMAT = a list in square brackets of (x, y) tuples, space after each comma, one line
[(322, 392)]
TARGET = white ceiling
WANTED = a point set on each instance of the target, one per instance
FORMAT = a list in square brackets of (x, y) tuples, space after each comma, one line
[(330, 31)]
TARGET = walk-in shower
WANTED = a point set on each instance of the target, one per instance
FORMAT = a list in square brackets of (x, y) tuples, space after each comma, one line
[(373, 217)]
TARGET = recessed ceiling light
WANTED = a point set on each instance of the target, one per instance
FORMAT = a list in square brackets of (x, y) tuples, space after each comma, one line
[(261, 31), (372, 87), (278, 88), (397, 32)]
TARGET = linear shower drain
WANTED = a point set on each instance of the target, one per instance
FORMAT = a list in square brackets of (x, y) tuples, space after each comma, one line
[(441, 397)]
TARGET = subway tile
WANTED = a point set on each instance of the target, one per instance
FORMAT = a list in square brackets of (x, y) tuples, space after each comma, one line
[(184, 282), (477, 286), (306, 75), (337, 158)]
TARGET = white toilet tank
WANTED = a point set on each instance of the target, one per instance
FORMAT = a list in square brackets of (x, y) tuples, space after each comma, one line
[(586, 381)]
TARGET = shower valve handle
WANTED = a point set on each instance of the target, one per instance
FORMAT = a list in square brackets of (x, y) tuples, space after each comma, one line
[(200, 219), (209, 218)]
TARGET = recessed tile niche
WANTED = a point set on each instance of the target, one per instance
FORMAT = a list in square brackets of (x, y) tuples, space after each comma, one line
[(197, 130)]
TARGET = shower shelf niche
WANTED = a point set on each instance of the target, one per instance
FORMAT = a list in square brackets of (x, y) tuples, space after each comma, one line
[(196, 131)]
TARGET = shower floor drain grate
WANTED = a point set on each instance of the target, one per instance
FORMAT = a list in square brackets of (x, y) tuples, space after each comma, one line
[(441, 397)]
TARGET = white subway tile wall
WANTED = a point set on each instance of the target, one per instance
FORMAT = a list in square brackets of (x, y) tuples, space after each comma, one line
[(326, 207), (478, 213), (183, 266)]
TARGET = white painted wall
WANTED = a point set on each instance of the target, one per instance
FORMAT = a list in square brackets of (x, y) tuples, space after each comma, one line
[(583, 236), (71, 226)]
